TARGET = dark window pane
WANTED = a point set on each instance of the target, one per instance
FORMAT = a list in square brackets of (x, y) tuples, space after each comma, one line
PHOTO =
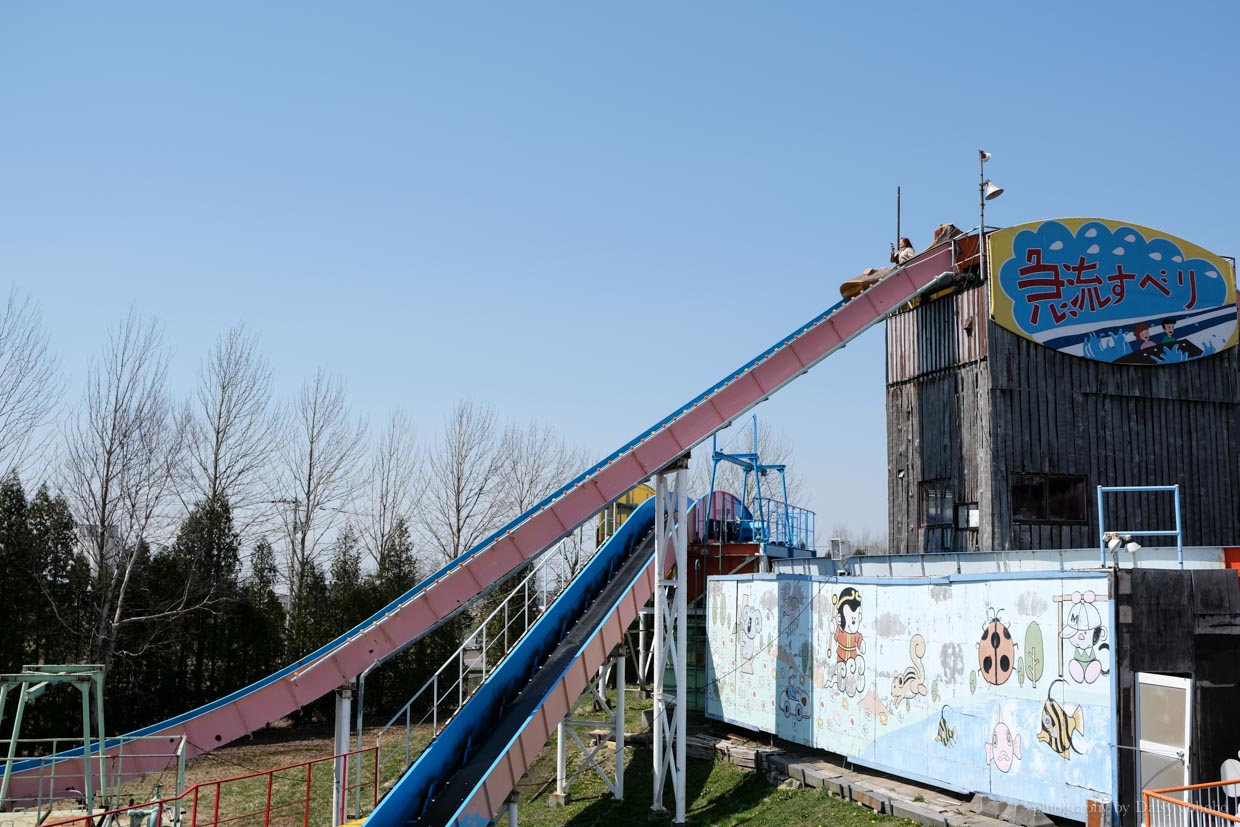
[(1066, 499), (1028, 497), (1048, 498)]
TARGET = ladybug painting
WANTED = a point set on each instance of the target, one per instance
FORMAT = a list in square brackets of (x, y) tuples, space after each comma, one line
[(996, 651)]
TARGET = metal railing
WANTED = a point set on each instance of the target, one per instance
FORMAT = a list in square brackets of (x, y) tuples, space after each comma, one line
[(105, 795), (1114, 539), (785, 525), (287, 795), (1196, 805), (466, 668)]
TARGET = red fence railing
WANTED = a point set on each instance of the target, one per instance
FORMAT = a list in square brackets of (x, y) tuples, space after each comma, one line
[(283, 797)]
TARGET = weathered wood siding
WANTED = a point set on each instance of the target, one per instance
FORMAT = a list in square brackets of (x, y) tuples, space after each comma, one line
[(1117, 425), (938, 335), (977, 404), (937, 399)]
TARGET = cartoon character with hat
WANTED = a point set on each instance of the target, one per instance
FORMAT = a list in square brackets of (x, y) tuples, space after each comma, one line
[(1084, 630)]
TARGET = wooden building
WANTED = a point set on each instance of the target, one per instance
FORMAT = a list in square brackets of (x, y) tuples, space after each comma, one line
[(995, 441)]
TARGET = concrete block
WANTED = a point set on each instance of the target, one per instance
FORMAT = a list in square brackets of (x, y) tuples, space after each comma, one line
[(1019, 814), (918, 812), (810, 776), (868, 796), (780, 762)]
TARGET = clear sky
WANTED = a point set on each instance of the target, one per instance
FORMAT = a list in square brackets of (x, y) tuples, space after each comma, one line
[(581, 212)]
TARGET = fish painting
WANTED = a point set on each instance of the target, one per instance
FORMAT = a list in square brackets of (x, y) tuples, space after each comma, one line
[(946, 735), (1058, 726), (1003, 749)]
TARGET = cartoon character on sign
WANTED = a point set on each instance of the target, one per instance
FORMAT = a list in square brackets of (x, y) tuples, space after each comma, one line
[(1084, 630), (996, 651), (1003, 749), (751, 626), (849, 643), (1141, 337)]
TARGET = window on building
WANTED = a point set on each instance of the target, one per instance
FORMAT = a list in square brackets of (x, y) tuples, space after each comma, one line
[(1048, 498), (936, 502), (967, 517)]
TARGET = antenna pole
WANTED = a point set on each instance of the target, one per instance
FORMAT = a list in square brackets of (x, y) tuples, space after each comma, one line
[(898, 236)]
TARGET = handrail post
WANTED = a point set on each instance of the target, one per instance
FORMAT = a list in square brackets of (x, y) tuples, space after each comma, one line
[(1179, 534), (1102, 543), (267, 816), (306, 821)]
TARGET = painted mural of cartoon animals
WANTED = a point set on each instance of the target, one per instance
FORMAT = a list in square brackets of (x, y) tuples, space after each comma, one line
[(1003, 749), (849, 642), (791, 602), (794, 699), (750, 620), (1085, 632), (911, 681), (945, 735), (1058, 727), (996, 651)]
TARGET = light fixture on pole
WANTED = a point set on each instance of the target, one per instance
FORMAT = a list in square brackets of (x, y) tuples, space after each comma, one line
[(986, 191)]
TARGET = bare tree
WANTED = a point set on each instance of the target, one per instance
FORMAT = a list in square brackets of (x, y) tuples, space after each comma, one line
[(319, 453), (573, 553), (121, 451), (866, 541), (231, 427), (462, 504), (30, 384), (535, 462), (392, 487)]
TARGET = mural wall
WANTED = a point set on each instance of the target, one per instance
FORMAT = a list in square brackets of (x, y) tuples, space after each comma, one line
[(1111, 291), (1001, 686)]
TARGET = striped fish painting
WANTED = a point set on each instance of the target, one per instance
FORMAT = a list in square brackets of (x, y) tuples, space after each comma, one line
[(1058, 726)]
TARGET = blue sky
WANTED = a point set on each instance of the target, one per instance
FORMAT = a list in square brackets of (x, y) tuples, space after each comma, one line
[(583, 213)]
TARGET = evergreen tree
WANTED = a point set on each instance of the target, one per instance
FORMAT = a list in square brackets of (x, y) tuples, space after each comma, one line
[(348, 600), (60, 574), (261, 614), (389, 687), (15, 571)]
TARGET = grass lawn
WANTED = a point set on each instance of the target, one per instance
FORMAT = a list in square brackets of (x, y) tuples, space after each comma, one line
[(717, 792)]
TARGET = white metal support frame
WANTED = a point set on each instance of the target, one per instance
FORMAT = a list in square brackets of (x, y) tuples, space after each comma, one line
[(344, 700), (670, 639), (615, 718)]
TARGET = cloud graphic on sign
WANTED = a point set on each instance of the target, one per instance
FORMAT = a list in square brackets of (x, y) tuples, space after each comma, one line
[(1127, 277)]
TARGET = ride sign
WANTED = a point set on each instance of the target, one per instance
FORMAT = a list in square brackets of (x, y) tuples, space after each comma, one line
[(1111, 291)]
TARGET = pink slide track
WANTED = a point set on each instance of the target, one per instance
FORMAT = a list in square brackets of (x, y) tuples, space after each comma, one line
[(436, 599)]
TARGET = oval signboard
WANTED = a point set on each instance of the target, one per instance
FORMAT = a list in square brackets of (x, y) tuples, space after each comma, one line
[(1111, 291)]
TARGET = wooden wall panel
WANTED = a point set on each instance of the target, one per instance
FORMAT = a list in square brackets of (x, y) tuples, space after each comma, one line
[(979, 407)]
